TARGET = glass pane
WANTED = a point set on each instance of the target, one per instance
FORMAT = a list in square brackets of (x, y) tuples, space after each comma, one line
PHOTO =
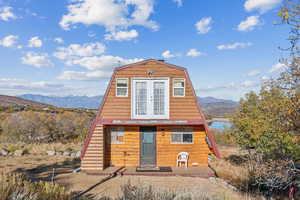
[(121, 91), (187, 138), (122, 82), (178, 83), (148, 138), (141, 98), (176, 138), (178, 92), (159, 98)]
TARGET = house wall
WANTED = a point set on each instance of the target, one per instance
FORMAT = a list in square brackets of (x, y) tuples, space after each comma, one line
[(128, 153), (180, 107)]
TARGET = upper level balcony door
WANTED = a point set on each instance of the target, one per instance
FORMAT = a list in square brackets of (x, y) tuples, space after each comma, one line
[(150, 98)]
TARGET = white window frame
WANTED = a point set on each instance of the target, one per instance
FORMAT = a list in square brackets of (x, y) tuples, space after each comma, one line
[(189, 132), (122, 87), (118, 129), (150, 104), (178, 87)]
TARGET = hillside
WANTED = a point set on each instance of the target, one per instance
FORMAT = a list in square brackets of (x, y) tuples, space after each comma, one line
[(11, 100), (210, 105)]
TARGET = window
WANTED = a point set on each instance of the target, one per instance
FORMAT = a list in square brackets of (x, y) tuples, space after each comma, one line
[(178, 87), (116, 135), (182, 135), (150, 98), (122, 87)]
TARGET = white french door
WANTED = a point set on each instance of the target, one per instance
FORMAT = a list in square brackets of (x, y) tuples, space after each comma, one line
[(150, 98)]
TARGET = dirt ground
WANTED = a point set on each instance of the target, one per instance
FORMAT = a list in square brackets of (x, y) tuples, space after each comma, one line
[(40, 167)]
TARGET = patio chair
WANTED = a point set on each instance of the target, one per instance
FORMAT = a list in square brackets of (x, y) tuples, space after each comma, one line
[(182, 157)]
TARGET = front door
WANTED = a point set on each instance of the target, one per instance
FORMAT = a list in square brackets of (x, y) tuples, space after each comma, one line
[(148, 146)]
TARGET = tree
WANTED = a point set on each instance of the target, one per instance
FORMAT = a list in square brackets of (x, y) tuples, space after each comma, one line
[(267, 124)]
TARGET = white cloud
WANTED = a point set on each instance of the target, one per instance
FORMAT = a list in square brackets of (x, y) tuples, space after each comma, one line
[(261, 5), (6, 13), (58, 40), (122, 35), (37, 59), (194, 53), (203, 26), (249, 24), (84, 76), (109, 13), (104, 62), (254, 73), (264, 78), (249, 84), (178, 2), (35, 42), (234, 45), (9, 41), (278, 67), (77, 50), (167, 54)]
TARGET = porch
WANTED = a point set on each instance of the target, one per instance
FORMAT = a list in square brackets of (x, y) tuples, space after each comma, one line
[(202, 172)]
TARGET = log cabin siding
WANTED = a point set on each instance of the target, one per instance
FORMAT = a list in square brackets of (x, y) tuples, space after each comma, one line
[(179, 107), (128, 153)]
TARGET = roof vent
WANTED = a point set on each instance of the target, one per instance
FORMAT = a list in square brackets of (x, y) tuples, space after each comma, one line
[(161, 60)]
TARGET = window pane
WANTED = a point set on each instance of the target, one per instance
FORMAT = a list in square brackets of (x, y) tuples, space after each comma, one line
[(178, 92), (117, 134), (141, 98), (187, 138), (178, 82), (159, 98), (121, 91), (176, 137), (122, 82)]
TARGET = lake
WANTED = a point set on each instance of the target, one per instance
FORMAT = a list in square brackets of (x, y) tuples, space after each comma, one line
[(220, 125)]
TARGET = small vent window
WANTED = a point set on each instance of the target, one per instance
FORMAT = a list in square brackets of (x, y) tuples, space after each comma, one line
[(182, 135), (122, 87), (178, 87), (117, 135)]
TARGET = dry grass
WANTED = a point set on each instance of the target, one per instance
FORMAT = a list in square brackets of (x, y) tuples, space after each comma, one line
[(231, 167)]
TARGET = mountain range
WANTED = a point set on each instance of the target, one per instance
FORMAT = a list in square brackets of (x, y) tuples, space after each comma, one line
[(210, 105)]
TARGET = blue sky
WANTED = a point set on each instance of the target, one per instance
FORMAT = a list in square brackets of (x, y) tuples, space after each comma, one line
[(64, 47)]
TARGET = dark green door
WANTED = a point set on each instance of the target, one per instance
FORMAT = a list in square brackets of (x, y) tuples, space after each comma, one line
[(148, 146)]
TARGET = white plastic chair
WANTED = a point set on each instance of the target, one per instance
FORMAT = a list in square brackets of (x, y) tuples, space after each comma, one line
[(183, 157)]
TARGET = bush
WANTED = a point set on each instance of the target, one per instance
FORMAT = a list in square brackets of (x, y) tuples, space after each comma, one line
[(15, 186)]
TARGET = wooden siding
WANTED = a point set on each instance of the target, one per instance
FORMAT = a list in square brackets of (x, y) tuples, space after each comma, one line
[(93, 158), (180, 107), (128, 153), (125, 154)]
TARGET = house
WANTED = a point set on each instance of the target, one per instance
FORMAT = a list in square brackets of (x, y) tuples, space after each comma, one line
[(149, 114)]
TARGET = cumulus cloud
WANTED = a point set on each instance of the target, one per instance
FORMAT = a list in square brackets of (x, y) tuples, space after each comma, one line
[(261, 5), (233, 46), (77, 50), (203, 26), (178, 2), (278, 67), (84, 76), (249, 84), (122, 35), (6, 13), (254, 73), (103, 62), (58, 40), (194, 53), (167, 54), (35, 42), (9, 41), (249, 24), (37, 59), (111, 14)]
